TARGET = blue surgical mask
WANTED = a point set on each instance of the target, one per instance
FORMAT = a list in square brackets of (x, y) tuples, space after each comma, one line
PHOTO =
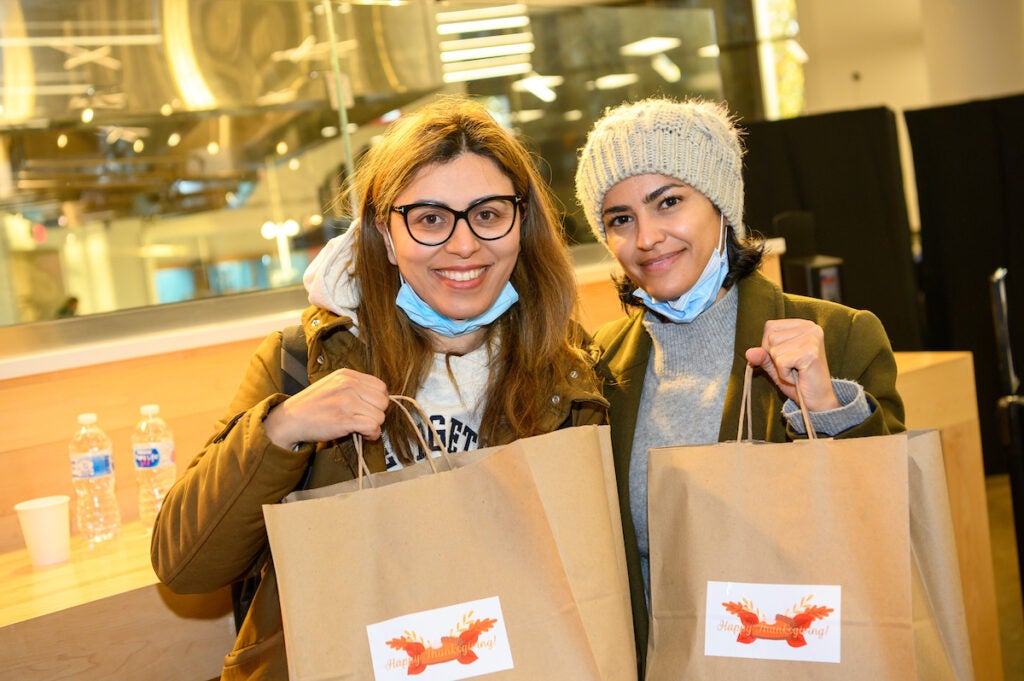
[(421, 313), (429, 318), (701, 295)]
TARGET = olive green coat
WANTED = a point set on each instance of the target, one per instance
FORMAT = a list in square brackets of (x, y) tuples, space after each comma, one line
[(856, 347)]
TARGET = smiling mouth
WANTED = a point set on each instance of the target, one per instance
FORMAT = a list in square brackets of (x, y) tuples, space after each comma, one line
[(654, 263), (461, 275)]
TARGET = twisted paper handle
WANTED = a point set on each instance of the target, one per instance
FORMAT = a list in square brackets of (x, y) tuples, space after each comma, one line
[(397, 400), (746, 409)]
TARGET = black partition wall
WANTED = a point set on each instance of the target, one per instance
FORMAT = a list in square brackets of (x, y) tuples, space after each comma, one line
[(844, 168), (969, 167)]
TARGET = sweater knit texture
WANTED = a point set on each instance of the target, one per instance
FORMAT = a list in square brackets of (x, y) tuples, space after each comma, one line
[(683, 395)]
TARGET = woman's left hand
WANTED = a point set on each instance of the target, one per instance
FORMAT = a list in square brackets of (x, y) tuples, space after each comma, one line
[(789, 344)]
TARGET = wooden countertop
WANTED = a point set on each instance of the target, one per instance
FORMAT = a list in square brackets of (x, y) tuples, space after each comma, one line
[(92, 573), (103, 615)]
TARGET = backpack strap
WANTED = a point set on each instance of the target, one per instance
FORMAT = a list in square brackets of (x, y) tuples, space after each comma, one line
[(294, 375)]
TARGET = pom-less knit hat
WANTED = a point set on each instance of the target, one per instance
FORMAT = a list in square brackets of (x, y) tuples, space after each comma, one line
[(694, 141)]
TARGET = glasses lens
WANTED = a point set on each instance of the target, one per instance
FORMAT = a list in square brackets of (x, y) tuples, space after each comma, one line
[(429, 224), (492, 218)]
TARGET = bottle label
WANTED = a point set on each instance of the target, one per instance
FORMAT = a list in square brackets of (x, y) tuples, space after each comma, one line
[(153, 454), (85, 466)]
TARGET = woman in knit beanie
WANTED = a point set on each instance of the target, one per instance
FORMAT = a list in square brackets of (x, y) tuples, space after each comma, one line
[(661, 184)]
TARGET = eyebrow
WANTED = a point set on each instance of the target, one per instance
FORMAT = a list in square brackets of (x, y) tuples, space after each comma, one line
[(444, 204), (649, 198)]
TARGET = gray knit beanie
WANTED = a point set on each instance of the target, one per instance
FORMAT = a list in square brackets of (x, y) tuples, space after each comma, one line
[(695, 141)]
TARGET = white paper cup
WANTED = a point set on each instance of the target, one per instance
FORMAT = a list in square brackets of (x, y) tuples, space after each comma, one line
[(46, 526)]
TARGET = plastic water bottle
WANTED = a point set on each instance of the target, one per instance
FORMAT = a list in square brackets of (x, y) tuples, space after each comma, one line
[(153, 449), (92, 472)]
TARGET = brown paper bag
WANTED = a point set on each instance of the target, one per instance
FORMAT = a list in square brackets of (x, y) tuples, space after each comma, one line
[(561, 512), (816, 559), (941, 641)]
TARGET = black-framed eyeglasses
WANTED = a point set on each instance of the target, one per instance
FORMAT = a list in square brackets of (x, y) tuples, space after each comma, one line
[(432, 224)]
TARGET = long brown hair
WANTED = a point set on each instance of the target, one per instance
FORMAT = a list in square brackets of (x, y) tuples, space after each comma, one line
[(537, 342)]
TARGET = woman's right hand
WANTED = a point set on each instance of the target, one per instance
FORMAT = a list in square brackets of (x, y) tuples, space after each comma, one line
[(341, 403)]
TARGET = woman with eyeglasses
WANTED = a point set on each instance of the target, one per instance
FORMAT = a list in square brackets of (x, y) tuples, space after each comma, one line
[(455, 288)]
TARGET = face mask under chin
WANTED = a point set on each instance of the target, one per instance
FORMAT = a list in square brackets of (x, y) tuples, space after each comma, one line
[(422, 314), (702, 294)]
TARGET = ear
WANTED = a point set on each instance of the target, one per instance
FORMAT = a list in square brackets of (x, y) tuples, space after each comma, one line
[(388, 244)]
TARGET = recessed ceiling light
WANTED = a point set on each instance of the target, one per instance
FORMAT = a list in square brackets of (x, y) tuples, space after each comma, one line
[(615, 80), (649, 46)]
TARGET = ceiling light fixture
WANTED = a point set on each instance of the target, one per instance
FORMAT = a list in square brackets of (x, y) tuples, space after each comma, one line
[(483, 25), (539, 86), (486, 41), (615, 80), (648, 47), (496, 71), (487, 52), (310, 49), (463, 15), (666, 68), (465, 58), (527, 115), (79, 56)]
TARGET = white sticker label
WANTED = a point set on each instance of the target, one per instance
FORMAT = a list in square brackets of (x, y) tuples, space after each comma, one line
[(455, 642), (774, 621)]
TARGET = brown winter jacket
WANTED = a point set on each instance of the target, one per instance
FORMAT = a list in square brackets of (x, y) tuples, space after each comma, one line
[(210, 531)]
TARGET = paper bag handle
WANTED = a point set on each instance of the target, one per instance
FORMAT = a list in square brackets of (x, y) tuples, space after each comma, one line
[(397, 400), (745, 406), (425, 418)]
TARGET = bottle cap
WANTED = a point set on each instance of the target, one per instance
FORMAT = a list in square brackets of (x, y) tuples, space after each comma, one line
[(86, 419), (149, 409)]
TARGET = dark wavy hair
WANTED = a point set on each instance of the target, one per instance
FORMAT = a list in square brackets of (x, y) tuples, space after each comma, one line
[(744, 259)]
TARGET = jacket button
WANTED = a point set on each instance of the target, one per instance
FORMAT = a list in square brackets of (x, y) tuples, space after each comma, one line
[(556, 399), (574, 374), (315, 322), (320, 359)]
